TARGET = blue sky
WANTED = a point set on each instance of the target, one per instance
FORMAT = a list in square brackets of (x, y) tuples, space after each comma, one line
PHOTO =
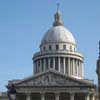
[(24, 22)]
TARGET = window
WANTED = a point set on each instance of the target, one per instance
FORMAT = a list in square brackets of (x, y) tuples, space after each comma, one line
[(64, 47), (50, 47), (57, 47)]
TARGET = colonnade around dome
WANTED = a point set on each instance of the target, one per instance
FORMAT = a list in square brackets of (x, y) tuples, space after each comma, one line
[(66, 65)]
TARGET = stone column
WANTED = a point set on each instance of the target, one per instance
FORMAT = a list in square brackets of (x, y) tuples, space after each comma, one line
[(37, 67), (49, 60), (87, 97), (93, 97), (42, 96), (72, 96), (73, 67), (44, 64), (28, 97), (56, 96), (77, 67), (59, 63), (54, 63), (40, 65), (82, 70), (68, 66), (64, 65), (34, 70)]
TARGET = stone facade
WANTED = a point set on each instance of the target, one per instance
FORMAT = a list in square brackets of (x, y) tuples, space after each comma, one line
[(98, 73)]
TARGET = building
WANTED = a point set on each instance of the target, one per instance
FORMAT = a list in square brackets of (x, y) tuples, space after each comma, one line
[(98, 73), (58, 69)]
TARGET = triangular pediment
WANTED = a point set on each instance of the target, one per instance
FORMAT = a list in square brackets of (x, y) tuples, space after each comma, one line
[(52, 79)]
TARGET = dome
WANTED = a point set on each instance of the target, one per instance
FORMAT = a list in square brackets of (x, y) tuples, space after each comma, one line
[(58, 34)]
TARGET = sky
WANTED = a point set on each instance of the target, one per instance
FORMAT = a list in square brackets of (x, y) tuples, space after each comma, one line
[(24, 22)]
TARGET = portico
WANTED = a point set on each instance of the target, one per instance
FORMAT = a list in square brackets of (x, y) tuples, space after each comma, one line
[(57, 96)]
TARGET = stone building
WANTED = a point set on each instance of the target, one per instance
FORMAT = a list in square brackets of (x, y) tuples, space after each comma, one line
[(98, 73), (58, 69)]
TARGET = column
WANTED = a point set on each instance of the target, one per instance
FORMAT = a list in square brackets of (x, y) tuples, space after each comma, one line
[(44, 64), (28, 97), (68, 66), (72, 96), (93, 97), (77, 67), (59, 63), (37, 67), (87, 97), (40, 65), (49, 60), (80, 68), (64, 65), (42, 96), (54, 63), (73, 66), (56, 96), (34, 70)]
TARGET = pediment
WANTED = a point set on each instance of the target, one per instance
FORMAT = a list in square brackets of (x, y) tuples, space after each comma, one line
[(52, 79)]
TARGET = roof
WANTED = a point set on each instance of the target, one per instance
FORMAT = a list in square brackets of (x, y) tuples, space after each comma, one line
[(58, 34)]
